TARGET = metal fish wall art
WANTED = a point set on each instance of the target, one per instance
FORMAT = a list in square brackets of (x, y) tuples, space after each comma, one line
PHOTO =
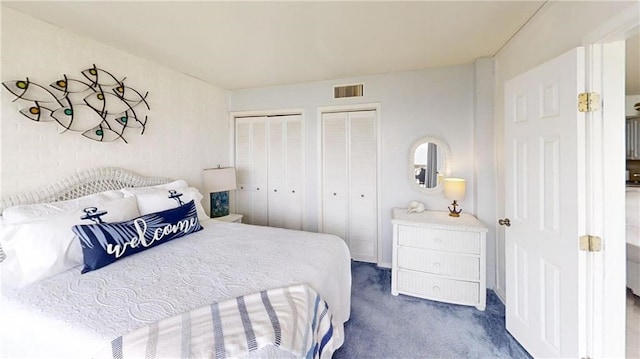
[(100, 106)]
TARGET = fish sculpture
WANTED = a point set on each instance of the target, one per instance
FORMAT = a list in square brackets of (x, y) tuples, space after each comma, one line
[(100, 107)]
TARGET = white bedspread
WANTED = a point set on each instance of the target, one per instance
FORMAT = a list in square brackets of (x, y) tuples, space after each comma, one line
[(73, 315)]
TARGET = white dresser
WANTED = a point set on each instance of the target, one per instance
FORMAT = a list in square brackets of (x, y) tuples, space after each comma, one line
[(439, 257)]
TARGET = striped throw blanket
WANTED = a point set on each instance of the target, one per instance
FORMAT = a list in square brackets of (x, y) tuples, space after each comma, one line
[(292, 318)]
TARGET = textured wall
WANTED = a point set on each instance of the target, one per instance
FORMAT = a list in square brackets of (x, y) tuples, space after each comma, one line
[(186, 132)]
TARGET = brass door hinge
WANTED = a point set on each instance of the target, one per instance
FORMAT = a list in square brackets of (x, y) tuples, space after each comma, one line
[(590, 243), (588, 102)]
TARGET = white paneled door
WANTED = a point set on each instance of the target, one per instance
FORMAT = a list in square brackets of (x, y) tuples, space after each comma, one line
[(349, 181), (545, 280)]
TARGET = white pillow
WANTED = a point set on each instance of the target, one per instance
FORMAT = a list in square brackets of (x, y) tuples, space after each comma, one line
[(151, 200), (31, 212), (178, 184), (39, 249)]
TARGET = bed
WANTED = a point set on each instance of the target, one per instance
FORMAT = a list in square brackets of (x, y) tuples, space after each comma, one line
[(71, 314), (633, 238)]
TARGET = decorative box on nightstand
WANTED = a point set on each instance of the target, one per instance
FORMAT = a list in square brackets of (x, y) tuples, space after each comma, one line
[(231, 217), (439, 257)]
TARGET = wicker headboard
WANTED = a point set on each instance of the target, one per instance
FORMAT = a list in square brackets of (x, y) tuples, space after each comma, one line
[(81, 184)]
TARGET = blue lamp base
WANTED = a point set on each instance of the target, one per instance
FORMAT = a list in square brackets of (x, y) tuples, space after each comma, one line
[(219, 204)]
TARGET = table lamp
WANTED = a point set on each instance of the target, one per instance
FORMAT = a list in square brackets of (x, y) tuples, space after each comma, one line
[(218, 182), (454, 189)]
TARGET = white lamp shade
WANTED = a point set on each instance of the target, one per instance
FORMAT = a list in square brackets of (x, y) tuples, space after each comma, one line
[(455, 188), (219, 179)]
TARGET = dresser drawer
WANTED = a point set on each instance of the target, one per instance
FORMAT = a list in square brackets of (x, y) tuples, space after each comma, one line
[(439, 239), (442, 263), (434, 287)]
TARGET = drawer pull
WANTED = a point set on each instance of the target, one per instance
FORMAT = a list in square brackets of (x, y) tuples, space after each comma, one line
[(436, 267), (436, 289)]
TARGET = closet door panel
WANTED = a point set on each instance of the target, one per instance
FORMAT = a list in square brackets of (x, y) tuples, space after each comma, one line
[(259, 210), (244, 167), (294, 172), (276, 174), (259, 152), (243, 151), (362, 154), (363, 227), (335, 174), (293, 213), (334, 219), (244, 202), (251, 169), (259, 172)]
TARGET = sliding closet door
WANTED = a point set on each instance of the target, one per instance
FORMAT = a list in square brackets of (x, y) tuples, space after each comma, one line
[(349, 181), (335, 174), (251, 169), (363, 227)]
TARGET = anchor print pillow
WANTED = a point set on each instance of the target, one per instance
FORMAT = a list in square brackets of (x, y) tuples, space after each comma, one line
[(105, 243), (154, 199)]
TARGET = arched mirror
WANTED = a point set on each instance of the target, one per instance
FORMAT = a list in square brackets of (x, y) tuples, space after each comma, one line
[(429, 159)]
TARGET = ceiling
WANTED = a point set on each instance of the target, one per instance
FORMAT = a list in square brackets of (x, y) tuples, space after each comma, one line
[(238, 44)]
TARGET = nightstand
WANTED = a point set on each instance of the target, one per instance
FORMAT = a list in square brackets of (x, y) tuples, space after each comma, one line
[(231, 217), (439, 257)]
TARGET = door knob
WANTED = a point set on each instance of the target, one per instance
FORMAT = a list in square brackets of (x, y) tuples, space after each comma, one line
[(504, 222)]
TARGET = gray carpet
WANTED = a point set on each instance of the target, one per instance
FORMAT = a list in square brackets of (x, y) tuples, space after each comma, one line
[(385, 326)]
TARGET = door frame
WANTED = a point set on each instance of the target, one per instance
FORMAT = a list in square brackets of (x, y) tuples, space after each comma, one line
[(259, 113), (605, 159), (375, 106)]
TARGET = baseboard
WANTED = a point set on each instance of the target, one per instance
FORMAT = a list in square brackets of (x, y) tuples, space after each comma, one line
[(386, 265), (500, 295)]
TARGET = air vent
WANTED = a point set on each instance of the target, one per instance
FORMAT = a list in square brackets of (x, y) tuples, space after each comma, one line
[(348, 91)]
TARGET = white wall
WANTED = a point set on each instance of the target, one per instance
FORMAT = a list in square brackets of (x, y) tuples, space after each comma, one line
[(484, 156), (436, 102), (556, 29), (186, 131)]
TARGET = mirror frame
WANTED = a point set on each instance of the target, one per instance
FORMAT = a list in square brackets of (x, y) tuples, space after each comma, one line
[(446, 152)]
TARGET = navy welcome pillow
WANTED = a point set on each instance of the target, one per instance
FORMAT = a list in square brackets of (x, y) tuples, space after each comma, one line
[(105, 243)]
